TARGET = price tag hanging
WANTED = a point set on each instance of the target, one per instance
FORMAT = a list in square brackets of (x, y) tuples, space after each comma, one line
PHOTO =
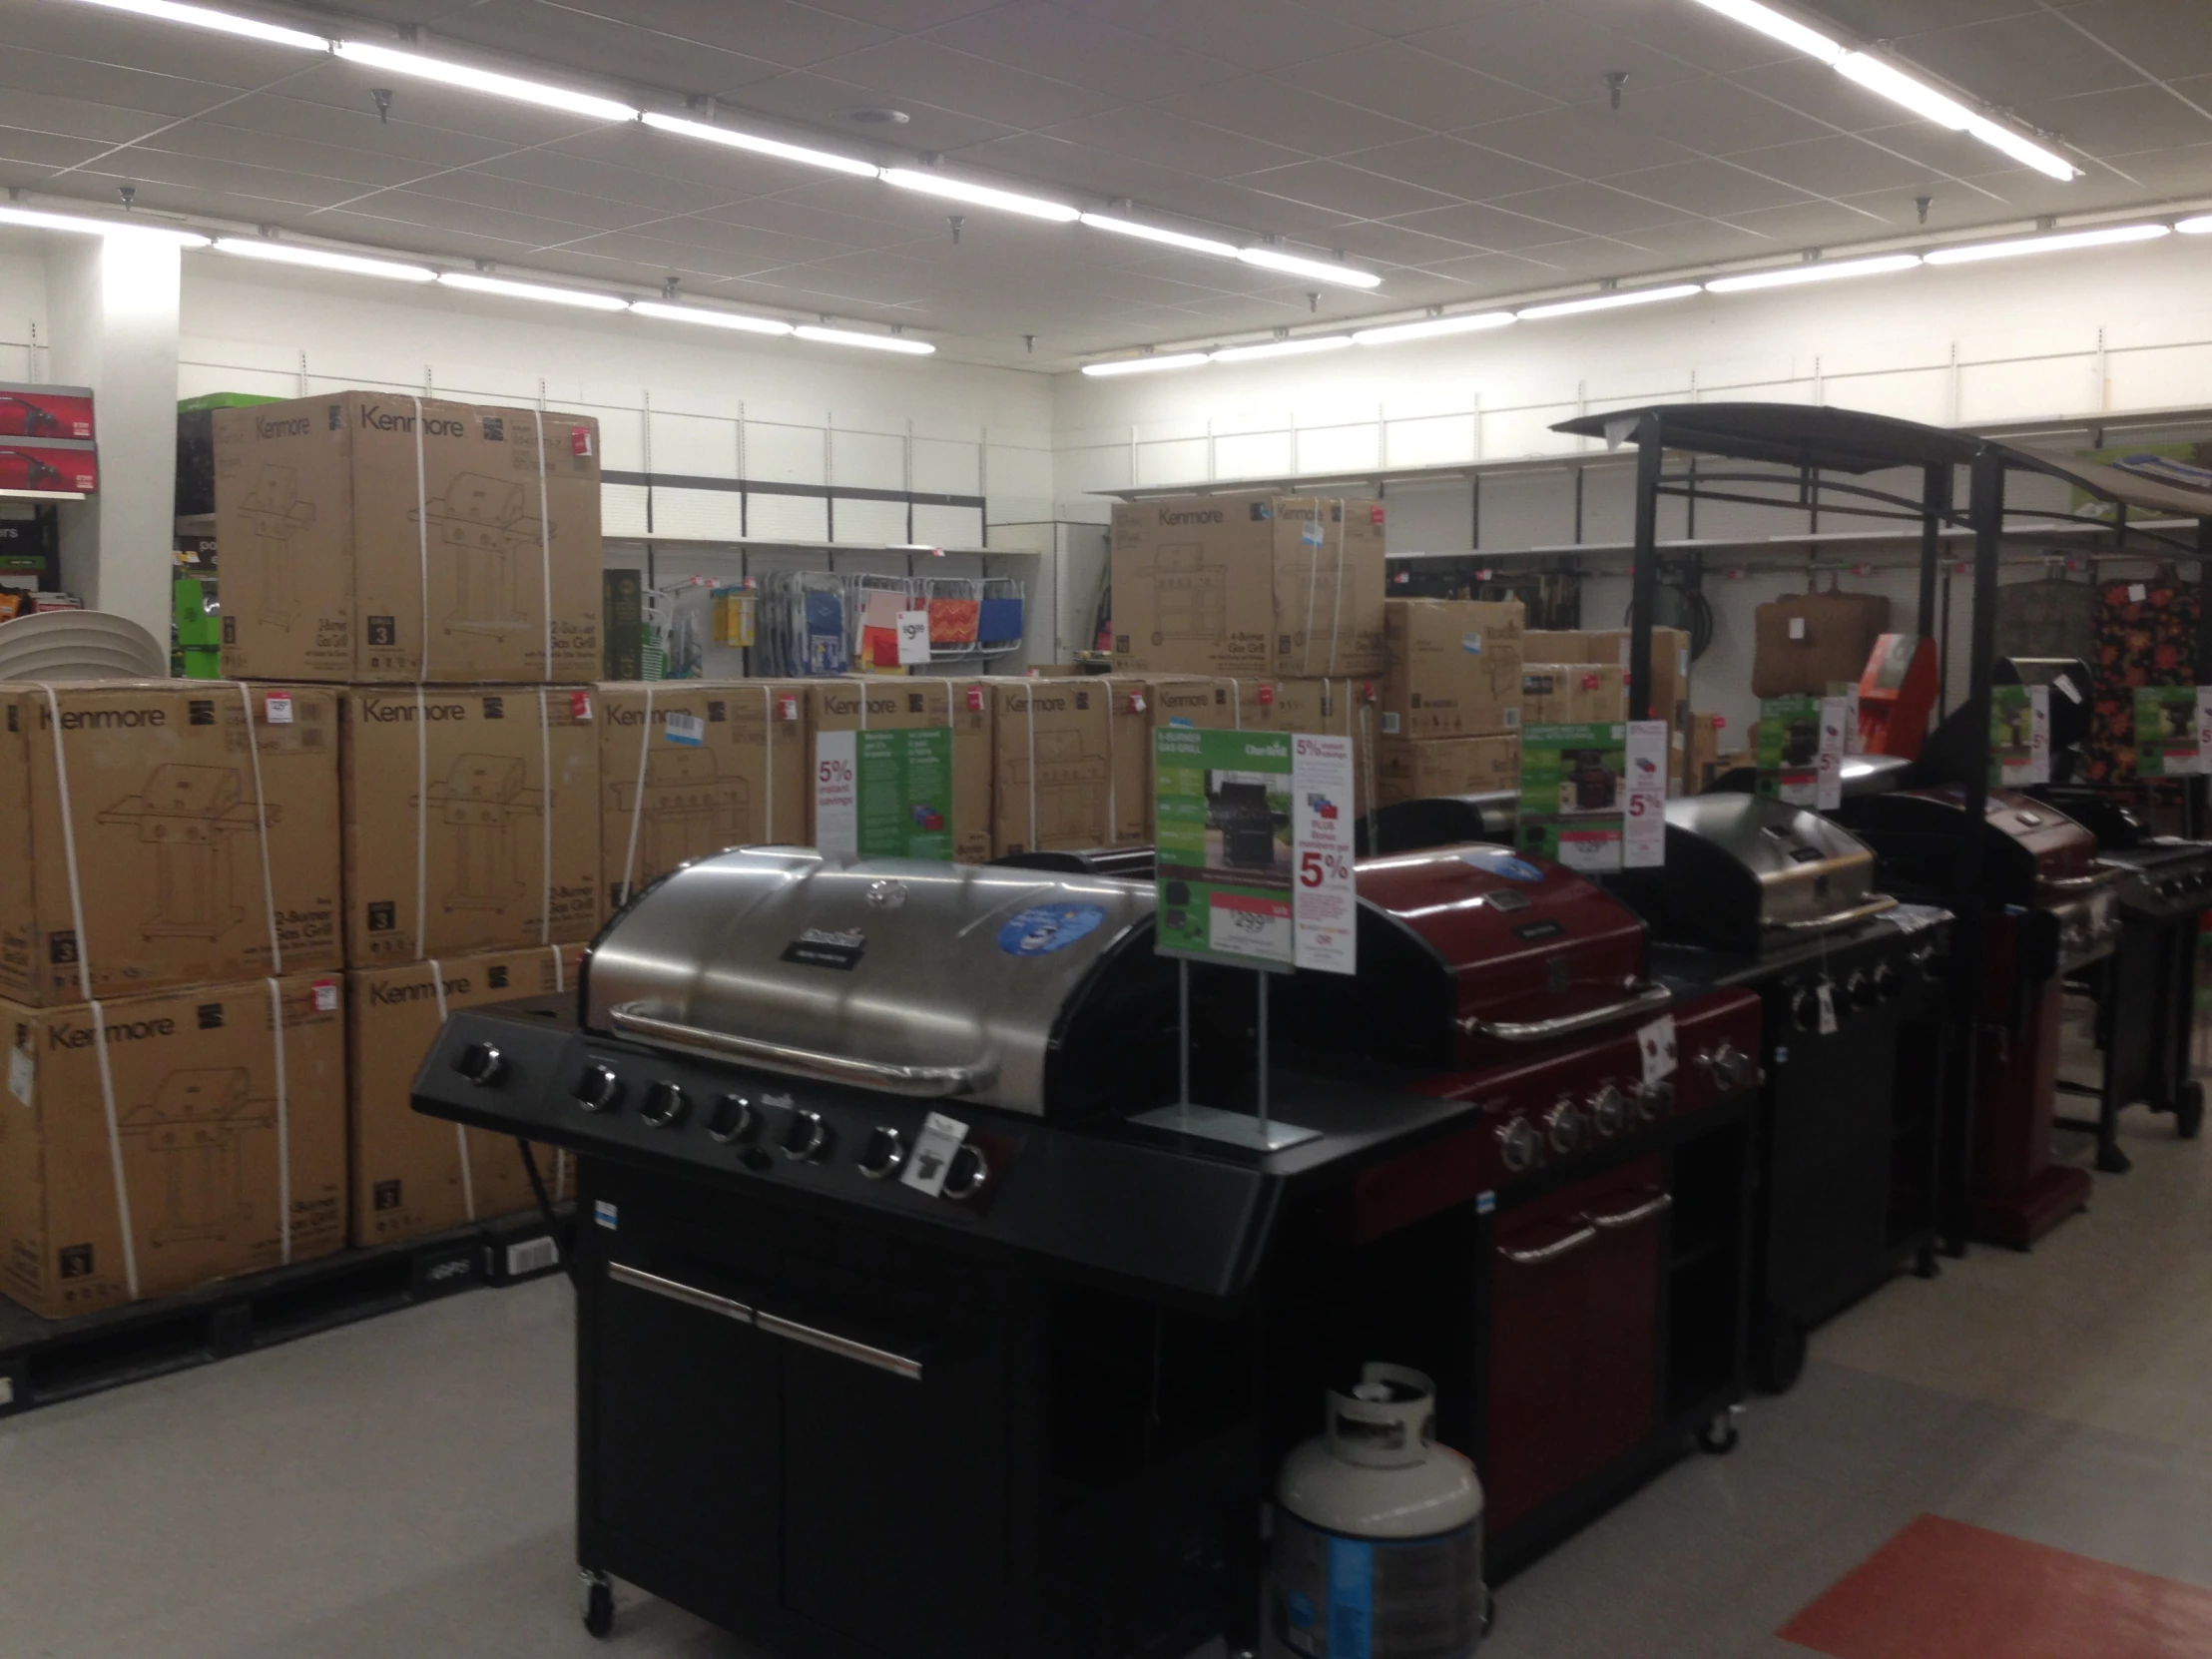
[(914, 638)]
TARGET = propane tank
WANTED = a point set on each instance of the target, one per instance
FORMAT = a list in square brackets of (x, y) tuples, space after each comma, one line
[(1377, 1550)]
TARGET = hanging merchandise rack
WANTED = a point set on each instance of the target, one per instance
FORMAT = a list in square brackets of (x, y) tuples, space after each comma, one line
[(803, 625)]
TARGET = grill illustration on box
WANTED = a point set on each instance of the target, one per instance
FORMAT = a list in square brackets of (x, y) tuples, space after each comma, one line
[(1069, 790), (685, 808), (1193, 596), (275, 514), (192, 1127), (485, 525), (193, 816), (483, 800)]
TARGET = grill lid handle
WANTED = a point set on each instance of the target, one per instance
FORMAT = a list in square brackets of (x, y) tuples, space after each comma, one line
[(2103, 878), (1645, 999), (916, 1082), (1879, 905)]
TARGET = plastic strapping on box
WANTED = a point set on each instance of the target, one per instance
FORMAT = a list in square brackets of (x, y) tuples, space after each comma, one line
[(560, 1154), (1312, 585), (1335, 589), (283, 1120), (260, 823), (1235, 700), (1032, 706), (421, 820), (545, 817), (423, 545), (115, 1147), (767, 739), (461, 1130), (545, 550), (637, 807), (1367, 763), (1113, 810)]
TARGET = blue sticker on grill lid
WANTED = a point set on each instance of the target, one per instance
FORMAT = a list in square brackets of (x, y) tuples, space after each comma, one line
[(1044, 928)]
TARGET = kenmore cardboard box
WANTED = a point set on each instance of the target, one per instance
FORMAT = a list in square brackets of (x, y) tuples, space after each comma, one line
[(1574, 694), (1334, 708), (1447, 766), (688, 767), (1272, 586), (471, 819), (225, 1154), (375, 537), (1049, 786), (908, 704), (181, 822), (1455, 670), (414, 1174), (1138, 706)]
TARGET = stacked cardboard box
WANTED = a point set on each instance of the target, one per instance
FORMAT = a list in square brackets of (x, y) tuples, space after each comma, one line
[(1452, 698), (889, 703), (169, 955), (1581, 677)]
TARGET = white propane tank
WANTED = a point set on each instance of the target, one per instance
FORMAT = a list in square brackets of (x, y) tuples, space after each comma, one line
[(1377, 1550)]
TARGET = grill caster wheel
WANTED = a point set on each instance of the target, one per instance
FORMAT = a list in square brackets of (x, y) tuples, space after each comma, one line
[(1778, 1352), (1721, 1436), (2189, 1110), (597, 1597)]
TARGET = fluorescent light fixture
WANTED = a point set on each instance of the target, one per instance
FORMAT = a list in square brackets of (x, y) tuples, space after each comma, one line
[(713, 320), (322, 259), (475, 283), (1320, 270), (736, 139), (1825, 271), (1879, 76), (979, 195), (1147, 365), (471, 79), (1282, 348), (873, 342), (1608, 301), (1430, 328), (2201, 226), (1167, 239), (2046, 162), (2104, 237), (201, 17), (1773, 24), (33, 220)]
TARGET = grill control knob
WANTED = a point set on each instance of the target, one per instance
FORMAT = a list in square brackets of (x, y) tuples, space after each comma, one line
[(806, 1137), (665, 1105), (885, 1155), (1730, 1067), (1887, 982), (969, 1171), (1859, 990), (1654, 1100), (733, 1120), (1519, 1146), (599, 1089), (482, 1064), (1564, 1126), (1805, 1010), (1608, 1112)]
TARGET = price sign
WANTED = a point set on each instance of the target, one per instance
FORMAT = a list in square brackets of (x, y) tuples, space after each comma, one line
[(1644, 829), (914, 638), (1222, 817), (1325, 901), (837, 792), (2170, 737), (1835, 723), (884, 794)]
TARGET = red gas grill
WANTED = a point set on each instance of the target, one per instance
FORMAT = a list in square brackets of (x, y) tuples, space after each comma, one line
[(2052, 910), (1610, 1323)]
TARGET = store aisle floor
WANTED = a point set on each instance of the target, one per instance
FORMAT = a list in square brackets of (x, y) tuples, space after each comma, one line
[(403, 1486)]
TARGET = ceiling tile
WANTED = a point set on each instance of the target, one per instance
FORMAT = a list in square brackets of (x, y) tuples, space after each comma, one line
[(1597, 210), (903, 15), (1262, 106), (282, 119), (1837, 166), (2132, 119), (1710, 187), (1399, 18), (1550, 51), (1714, 114), (1074, 166), (1810, 224), (1489, 227), (1587, 143), (30, 154), (1070, 45), (912, 68), (1410, 84), (1247, 211), (1455, 166), (606, 44), (1352, 191), (1676, 29), (815, 97), (783, 32), (116, 86), (1201, 147), (1253, 34)]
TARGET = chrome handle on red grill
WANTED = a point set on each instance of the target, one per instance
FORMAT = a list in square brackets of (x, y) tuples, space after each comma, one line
[(1551, 1251), (917, 1082), (1621, 1220), (1879, 905), (2080, 883), (1646, 999)]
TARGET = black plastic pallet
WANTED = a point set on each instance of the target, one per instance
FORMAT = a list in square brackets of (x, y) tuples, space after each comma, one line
[(44, 1362)]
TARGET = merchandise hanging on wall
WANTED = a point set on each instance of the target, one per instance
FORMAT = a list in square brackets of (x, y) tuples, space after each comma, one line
[(2146, 635)]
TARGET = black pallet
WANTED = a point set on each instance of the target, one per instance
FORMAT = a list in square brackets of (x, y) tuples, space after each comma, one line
[(44, 1362)]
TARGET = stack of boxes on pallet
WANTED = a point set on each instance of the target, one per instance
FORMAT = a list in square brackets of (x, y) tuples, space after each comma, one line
[(1451, 702), (1581, 679)]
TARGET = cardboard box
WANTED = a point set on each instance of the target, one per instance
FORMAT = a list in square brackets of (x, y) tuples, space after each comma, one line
[(1138, 706), (1418, 771), (1572, 694), (1455, 668), (1670, 665), (1336, 708), (908, 704), (1273, 586), (1050, 782), (175, 836), (334, 512), (471, 819), (688, 767), (229, 1147), (412, 1174), (45, 412)]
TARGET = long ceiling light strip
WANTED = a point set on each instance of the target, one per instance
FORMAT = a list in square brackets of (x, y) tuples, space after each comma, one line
[(1148, 365), (1167, 239), (979, 195), (872, 342), (1281, 349), (1269, 258), (323, 258), (1775, 26), (735, 138), (737, 321), (229, 23), (31, 218), (1795, 275), (1435, 326), (469, 77), (2064, 242), (582, 298), (1607, 302)]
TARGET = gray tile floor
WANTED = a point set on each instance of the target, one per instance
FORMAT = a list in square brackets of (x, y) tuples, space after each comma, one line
[(402, 1487)]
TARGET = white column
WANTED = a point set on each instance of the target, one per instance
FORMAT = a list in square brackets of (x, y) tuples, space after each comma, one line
[(112, 304)]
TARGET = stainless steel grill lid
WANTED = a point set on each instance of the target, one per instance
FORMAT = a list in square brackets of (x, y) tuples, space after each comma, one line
[(918, 978), (1745, 873)]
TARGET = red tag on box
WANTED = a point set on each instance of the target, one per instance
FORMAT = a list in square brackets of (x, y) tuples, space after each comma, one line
[(326, 996), (787, 707), (1267, 697), (579, 442), (1375, 513), (976, 699), (579, 706)]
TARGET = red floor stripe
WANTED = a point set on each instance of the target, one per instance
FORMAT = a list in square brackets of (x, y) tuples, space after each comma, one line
[(1945, 1590)]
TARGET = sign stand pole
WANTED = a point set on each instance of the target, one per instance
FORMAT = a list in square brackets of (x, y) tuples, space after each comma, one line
[(1261, 976), (1183, 1040)]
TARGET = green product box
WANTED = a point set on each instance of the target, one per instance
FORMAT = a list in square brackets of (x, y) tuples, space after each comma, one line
[(2166, 719), (1221, 817), (1575, 793), (906, 794)]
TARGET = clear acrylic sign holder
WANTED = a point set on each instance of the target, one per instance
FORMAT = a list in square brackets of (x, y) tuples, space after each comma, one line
[(1257, 1131)]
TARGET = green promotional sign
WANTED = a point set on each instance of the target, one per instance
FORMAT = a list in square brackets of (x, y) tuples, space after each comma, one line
[(2019, 736), (906, 794), (2168, 723), (1788, 745), (1222, 820), (1575, 793)]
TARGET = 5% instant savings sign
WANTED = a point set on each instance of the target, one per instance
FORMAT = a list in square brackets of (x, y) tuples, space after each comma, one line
[(1256, 848)]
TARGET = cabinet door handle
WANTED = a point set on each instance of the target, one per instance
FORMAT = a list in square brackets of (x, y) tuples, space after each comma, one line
[(1551, 1251), (1622, 1220), (691, 1296), (845, 1348)]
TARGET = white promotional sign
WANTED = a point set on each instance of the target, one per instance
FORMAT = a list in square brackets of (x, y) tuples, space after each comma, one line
[(914, 638), (837, 792), (1644, 828), (931, 1159), (1656, 1044), (1835, 721), (1324, 904)]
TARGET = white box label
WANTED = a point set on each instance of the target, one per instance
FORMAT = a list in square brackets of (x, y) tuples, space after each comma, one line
[(914, 638), (21, 1072), (687, 729), (1836, 720), (837, 792), (1656, 1044), (1644, 825), (277, 704), (931, 1160)]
